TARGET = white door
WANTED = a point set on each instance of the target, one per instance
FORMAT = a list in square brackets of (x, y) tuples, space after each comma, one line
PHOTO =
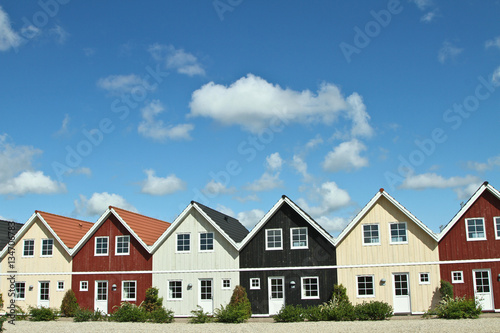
[(206, 299), (101, 296), (43, 293), (276, 286), (401, 293), (482, 288)]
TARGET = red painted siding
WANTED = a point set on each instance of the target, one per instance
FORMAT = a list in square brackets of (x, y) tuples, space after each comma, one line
[(85, 261)]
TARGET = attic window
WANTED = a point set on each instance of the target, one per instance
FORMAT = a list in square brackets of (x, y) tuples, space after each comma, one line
[(475, 229), (122, 245), (47, 245), (274, 239), (298, 238)]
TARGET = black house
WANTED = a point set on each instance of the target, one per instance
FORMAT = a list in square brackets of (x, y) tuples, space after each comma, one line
[(287, 258), (7, 228)]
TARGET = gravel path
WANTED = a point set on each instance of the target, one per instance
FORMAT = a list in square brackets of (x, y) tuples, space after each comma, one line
[(484, 324)]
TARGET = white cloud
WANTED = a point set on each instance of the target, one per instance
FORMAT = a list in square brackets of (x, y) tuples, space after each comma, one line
[(433, 180), (495, 77), (89, 51), (8, 37), (422, 4), (255, 104), (17, 176), (161, 185), (250, 218), (80, 171), (482, 167), (429, 17), (467, 191), (330, 198), (274, 162), (346, 156), (99, 202), (266, 182), (317, 140), (59, 33), (493, 43), (178, 59), (216, 188), (120, 84), (448, 52), (360, 118), (300, 166), (332, 224), (250, 197), (152, 128), (64, 126)]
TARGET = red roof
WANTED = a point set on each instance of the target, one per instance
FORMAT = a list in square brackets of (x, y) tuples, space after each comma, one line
[(147, 228), (69, 230)]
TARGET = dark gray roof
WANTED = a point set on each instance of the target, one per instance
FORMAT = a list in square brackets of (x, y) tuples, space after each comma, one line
[(4, 231), (231, 226)]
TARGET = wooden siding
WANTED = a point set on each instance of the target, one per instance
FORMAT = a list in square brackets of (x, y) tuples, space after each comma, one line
[(166, 258)]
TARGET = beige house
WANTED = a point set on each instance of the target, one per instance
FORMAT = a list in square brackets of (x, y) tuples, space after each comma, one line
[(38, 271), (386, 254)]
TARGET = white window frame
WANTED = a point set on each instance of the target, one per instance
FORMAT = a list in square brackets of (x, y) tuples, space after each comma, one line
[(82, 288), (107, 246), (303, 290), (467, 229), (300, 246), (169, 297), (357, 286), (58, 286), (497, 229), (123, 290), (24, 246), (363, 234), (252, 287), (15, 291), (128, 245), (390, 233), (222, 283), (177, 242), (461, 280), (51, 248), (267, 243), (199, 239), (420, 275)]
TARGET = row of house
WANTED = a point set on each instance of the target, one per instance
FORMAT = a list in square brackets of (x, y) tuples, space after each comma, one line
[(385, 253)]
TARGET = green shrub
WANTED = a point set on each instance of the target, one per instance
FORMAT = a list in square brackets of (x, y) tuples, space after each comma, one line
[(340, 293), (374, 310), (291, 313), (2, 319), (458, 308), (43, 314), (161, 315), (128, 312), (315, 313), (342, 311), (232, 313), (446, 289), (88, 315), (1, 301), (240, 299), (199, 317), (69, 304), (152, 302), (20, 313)]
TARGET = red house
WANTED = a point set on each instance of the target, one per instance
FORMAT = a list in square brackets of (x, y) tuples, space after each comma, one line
[(469, 249), (112, 263)]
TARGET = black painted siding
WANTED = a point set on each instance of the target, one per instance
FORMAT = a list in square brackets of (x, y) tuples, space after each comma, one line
[(320, 252), (5, 227)]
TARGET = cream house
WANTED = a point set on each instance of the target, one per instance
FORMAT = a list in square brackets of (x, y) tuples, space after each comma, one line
[(39, 268), (386, 254)]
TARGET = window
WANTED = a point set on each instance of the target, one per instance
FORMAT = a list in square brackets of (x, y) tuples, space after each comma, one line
[(457, 277), (183, 242), (475, 229), (129, 290), (60, 285), (122, 245), (226, 283), (20, 290), (310, 287), (298, 238), (29, 248), (206, 241), (84, 285), (398, 233), (274, 239), (254, 283), (424, 278), (101, 246), (365, 286), (371, 234), (174, 290), (497, 227), (47, 245)]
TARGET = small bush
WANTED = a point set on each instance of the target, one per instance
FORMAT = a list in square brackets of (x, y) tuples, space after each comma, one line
[(152, 302), (291, 313), (2, 319), (342, 311), (232, 313), (161, 315), (374, 310), (1, 301), (446, 289), (43, 314), (82, 315), (199, 317), (458, 308), (69, 304), (340, 293), (240, 299), (315, 313), (20, 313), (128, 312)]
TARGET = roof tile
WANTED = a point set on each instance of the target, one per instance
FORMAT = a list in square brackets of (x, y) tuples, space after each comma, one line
[(69, 230)]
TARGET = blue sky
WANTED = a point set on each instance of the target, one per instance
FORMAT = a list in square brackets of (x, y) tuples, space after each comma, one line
[(233, 103)]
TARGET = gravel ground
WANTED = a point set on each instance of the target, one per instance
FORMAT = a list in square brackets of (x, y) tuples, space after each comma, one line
[(410, 324)]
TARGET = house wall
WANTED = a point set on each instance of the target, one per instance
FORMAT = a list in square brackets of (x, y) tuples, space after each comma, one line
[(420, 248), (85, 260), (166, 259), (320, 252), (60, 262)]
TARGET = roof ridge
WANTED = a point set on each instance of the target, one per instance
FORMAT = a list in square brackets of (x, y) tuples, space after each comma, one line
[(66, 217), (138, 214)]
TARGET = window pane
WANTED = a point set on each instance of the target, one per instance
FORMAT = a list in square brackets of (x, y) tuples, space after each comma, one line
[(175, 289), (206, 241), (274, 239), (29, 248), (370, 234), (122, 244), (183, 242), (365, 286), (47, 247), (299, 237), (398, 232)]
